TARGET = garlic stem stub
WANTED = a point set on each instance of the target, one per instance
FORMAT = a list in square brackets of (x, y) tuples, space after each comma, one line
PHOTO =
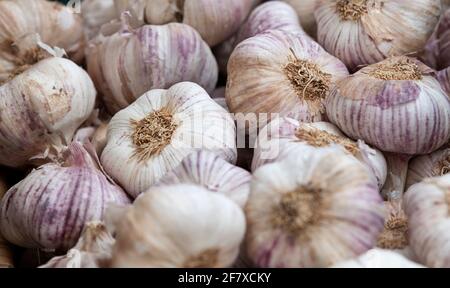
[(314, 209), (283, 73), (153, 135), (60, 199), (361, 32), (190, 228)]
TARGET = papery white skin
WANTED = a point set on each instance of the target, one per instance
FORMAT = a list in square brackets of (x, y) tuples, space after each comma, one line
[(257, 82), (305, 10), (437, 50), (186, 221), (202, 124), (210, 171), (132, 61), (42, 108), (49, 208), (277, 140), (379, 258), (350, 215), (389, 28), (427, 166), (427, 205), (95, 14), (222, 102)]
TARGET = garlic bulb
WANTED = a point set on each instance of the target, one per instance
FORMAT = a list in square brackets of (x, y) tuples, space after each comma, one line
[(361, 32), (427, 205), (179, 226), (428, 166), (314, 209), (208, 170), (281, 72), (132, 61), (48, 209), (437, 51), (95, 14), (93, 249), (215, 20), (395, 233), (444, 79), (154, 134), (305, 10), (281, 137), (397, 106), (56, 24), (6, 255), (379, 258), (41, 109)]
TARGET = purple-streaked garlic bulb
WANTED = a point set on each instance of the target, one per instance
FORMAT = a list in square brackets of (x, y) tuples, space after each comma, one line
[(284, 136), (49, 208), (305, 10), (396, 105), (210, 171), (281, 72), (437, 51), (361, 32), (131, 62), (444, 79), (427, 204), (314, 209), (93, 249)]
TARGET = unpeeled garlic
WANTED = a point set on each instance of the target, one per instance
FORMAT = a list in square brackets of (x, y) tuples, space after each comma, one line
[(444, 79), (154, 134), (179, 226), (379, 258), (437, 50)]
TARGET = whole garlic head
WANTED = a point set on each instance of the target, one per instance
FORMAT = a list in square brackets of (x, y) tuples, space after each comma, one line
[(314, 209), (154, 134), (179, 226)]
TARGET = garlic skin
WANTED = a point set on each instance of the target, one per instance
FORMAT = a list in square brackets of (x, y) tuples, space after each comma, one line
[(42, 108), (208, 170), (284, 136), (444, 78), (361, 32), (215, 20), (6, 255), (264, 76), (131, 62), (60, 199), (426, 205), (379, 258), (437, 50), (190, 228), (95, 14), (137, 154), (314, 209), (305, 10), (93, 249)]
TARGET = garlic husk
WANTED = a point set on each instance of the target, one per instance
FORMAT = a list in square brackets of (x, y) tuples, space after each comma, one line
[(215, 20), (95, 135), (396, 105), (222, 102), (305, 10), (444, 79), (6, 255), (314, 209), (60, 199), (437, 50), (95, 14), (281, 137), (42, 108), (137, 155), (190, 227), (93, 249), (56, 24), (132, 61), (264, 77), (379, 258), (361, 32), (210, 171), (427, 205)]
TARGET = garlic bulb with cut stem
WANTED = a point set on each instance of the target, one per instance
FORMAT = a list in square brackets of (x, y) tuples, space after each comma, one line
[(281, 72), (95, 14), (444, 79), (305, 10), (6, 255), (49, 208), (396, 105), (426, 205), (93, 249), (210, 171), (179, 226), (379, 258), (437, 50), (132, 61), (215, 20), (154, 134), (281, 137), (361, 32), (314, 209)]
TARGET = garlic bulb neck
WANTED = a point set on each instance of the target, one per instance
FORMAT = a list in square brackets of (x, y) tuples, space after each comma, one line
[(321, 138), (206, 259), (352, 10), (398, 68), (397, 173)]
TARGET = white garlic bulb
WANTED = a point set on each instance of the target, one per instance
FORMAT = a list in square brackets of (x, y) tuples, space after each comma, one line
[(427, 205), (361, 32), (314, 209), (283, 135), (281, 72), (379, 258), (210, 171), (179, 226), (130, 62), (95, 14), (154, 134), (305, 10)]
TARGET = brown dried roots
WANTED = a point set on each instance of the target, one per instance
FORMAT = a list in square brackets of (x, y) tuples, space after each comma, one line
[(443, 167), (320, 138), (207, 259), (351, 10), (397, 69), (395, 233)]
